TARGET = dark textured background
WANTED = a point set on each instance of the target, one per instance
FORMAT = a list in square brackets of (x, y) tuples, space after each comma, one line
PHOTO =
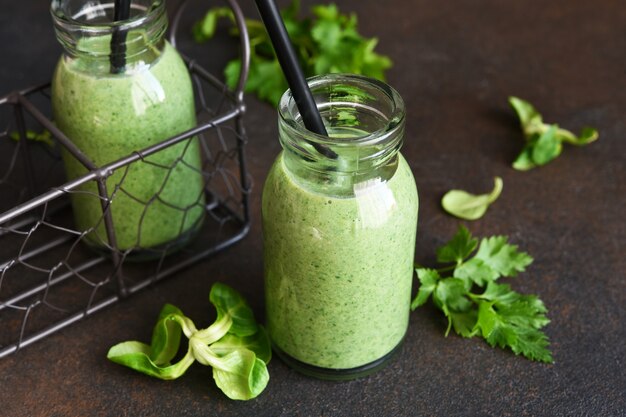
[(456, 61)]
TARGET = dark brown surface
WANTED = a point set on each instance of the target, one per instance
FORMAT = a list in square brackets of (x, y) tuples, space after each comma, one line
[(455, 64)]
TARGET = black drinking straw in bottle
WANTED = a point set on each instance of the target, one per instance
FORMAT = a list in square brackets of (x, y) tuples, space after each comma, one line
[(293, 73), (118, 38)]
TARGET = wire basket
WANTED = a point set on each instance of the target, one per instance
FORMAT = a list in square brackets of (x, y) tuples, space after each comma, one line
[(49, 278)]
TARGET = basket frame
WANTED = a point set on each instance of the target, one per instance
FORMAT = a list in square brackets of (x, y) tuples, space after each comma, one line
[(18, 217)]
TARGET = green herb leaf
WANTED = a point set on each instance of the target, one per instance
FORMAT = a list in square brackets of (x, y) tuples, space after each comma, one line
[(428, 282), (524, 160), (543, 141), (231, 73), (500, 315), (502, 257), (136, 355), (44, 136), (238, 373), (519, 308), (463, 323), (475, 271), (265, 79), (154, 360), (509, 327), (527, 114), (587, 135), (259, 343), (450, 294), (547, 147), (229, 302), (241, 375), (234, 345), (165, 336), (468, 206), (329, 42), (204, 29), (458, 248)]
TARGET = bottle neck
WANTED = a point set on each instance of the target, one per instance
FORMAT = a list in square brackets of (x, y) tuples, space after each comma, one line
[(96, 43), (365, 121)]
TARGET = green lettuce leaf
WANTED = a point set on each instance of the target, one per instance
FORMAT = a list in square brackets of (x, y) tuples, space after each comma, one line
[(468, 206)]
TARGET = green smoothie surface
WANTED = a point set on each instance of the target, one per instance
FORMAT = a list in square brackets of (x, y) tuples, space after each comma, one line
[(338, 271), (111, 116)]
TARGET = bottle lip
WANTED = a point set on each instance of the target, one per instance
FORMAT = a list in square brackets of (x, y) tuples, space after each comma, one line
[(289, 114), (64, 20)]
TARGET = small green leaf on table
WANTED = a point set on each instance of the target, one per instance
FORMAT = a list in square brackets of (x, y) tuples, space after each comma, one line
[(468, 206)]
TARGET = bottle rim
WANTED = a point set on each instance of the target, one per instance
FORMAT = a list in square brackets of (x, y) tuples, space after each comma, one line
[(289, 114), (65, 19)]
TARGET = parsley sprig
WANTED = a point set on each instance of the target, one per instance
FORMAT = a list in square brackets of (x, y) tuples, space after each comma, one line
[(329, 42), (475, 304)]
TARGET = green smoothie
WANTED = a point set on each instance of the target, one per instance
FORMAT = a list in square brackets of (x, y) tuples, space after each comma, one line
[(107, 116), (338, 271)]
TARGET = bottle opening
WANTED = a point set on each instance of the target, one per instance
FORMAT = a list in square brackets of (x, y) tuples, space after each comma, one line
[(364, 118), (100, 15)]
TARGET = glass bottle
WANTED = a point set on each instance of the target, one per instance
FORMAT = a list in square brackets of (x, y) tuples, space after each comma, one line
[(118, 88), (339, 233)]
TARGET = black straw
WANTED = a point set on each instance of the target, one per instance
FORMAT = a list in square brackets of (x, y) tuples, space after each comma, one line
[(293, 73), (118, 38)]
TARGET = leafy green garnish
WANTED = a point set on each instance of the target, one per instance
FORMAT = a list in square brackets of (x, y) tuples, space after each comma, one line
[(468, 206), (327, 43), (235, 346), (544, 142), (44, 136), (476, 305)]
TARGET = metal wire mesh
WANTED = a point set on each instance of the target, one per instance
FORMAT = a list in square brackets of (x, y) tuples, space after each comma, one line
[(49, 276)]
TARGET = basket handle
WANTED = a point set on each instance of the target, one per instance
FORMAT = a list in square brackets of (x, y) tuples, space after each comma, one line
[(240, 21)]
